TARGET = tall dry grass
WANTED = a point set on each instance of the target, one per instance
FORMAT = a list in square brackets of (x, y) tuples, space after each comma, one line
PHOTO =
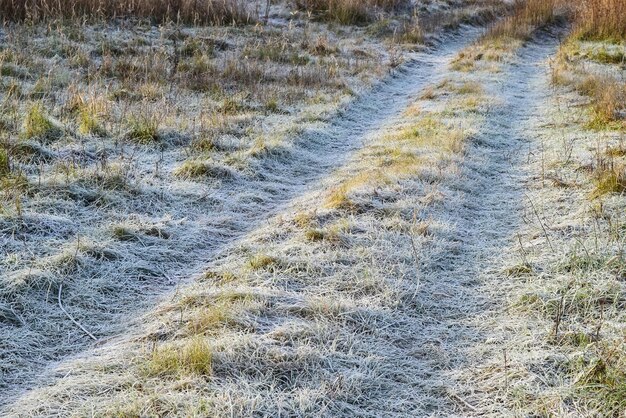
[(349, 11), (593, 19), (601, 20), (217, 12), (527, 16)]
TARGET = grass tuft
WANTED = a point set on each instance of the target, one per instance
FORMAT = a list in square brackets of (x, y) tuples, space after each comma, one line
[(519, 270), (90, 124), (315, 235), (527, 17), (610, 181), (601, 20), (211, 318), (193, 357), (219, 278), (143, 129), (602, 384), (339, 199), (5, 167), (608, 101), (37, 125), (196, 169), (263, 262)]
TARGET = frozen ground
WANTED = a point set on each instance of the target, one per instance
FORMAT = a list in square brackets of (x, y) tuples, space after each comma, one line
[(404, 259)]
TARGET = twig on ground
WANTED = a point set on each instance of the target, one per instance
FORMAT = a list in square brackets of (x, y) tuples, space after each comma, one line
[(462, 401), (545, 232), (71, 318)]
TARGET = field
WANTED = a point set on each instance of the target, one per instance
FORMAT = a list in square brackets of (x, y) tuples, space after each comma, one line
[(312, 208)]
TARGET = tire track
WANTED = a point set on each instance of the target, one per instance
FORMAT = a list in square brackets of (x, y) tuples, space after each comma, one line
[(462, 290)]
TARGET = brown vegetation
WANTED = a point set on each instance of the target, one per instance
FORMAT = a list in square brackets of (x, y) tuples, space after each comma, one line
[(349, 11), (189, 11), (602, 19), (526, 17)]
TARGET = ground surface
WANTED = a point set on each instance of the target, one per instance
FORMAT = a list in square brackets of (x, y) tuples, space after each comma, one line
[(377, 264)]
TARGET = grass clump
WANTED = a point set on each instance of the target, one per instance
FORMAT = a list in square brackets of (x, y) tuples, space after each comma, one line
[(508, 34), (232, 106), (616, 152), (519, 270), (263, 262), (608, 100), (193, 357), (272, 106), (41, 89), (607, 94), (123, 233), (603, 382), (605, 56), (431, 132), (315, 235), (331, 235), (211, 318), (397, 158), (214, 312), (610, 181), (5, 167), (322, 47), (304, 219), (527, 17), (603, 21), (339, 199), (37, 125), (470, 87), (197, 169), (90, 124), (143, 129), (277, 52), (267, 147), (219, 278), (344, 196)]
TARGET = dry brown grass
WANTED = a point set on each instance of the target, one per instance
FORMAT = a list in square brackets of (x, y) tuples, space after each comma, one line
[(526, 17), (189, 11), (601, 19), (607, 94), (608, 98), (523, 19), (349, 11)]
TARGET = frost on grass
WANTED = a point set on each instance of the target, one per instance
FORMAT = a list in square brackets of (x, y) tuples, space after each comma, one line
[(38, 125), (309, 311), (129, 158), (556, 348)]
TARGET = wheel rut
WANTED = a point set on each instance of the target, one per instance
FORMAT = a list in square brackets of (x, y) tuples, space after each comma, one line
[(461, 290)]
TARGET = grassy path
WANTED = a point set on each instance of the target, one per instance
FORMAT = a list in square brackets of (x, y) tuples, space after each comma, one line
[(492, 206), (377, 291), (194, 226)]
